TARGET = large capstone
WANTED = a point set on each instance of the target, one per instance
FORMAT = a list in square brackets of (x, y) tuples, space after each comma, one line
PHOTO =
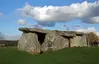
[(78, 41), (53, 42), (29, 43)]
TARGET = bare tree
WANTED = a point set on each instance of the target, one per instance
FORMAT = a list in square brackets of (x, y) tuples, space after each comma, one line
[(93, 38), (2, 36), (67, 27)]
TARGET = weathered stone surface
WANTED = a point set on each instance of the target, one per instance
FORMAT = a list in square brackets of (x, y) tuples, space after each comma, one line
[(78, 41), (29, 43), (68, 33), (33, 30), (65, 33), (53, 42), (61, 33)]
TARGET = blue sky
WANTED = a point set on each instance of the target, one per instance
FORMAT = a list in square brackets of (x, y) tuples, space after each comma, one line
[(8, 21)]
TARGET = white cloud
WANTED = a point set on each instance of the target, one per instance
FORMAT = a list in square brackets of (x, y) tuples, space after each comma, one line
[(49, 13), (1, 14), (88, 30), (86, 12), (22, 22), (91, 29)]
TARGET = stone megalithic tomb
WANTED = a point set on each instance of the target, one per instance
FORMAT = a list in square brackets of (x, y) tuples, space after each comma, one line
[(35, 40)]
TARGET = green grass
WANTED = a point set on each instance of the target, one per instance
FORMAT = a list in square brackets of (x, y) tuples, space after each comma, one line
[(10, 55)]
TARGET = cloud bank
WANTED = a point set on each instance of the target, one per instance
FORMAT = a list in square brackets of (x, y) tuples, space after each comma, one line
[(86, 12), (12, 37)]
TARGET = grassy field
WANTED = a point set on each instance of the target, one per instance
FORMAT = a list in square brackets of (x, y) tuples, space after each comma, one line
[(10, 55)]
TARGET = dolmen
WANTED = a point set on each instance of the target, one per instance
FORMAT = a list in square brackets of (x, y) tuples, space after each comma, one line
[(36, 41)]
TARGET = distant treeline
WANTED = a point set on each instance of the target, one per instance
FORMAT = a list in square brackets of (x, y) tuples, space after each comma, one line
[(8, 43)]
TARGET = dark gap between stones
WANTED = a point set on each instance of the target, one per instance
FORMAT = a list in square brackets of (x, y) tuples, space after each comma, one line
[(41, 37), (68, 39)]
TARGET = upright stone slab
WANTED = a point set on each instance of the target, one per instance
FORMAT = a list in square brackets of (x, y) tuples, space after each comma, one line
[(78, 41), (54, 42), (29, 43)]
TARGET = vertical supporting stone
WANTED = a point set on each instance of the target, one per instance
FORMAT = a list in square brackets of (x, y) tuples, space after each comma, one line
[(78, 41), (29, 43), (54, 42)]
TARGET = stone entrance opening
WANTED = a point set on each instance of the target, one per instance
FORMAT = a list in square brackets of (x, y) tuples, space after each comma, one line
[(41, 37)]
